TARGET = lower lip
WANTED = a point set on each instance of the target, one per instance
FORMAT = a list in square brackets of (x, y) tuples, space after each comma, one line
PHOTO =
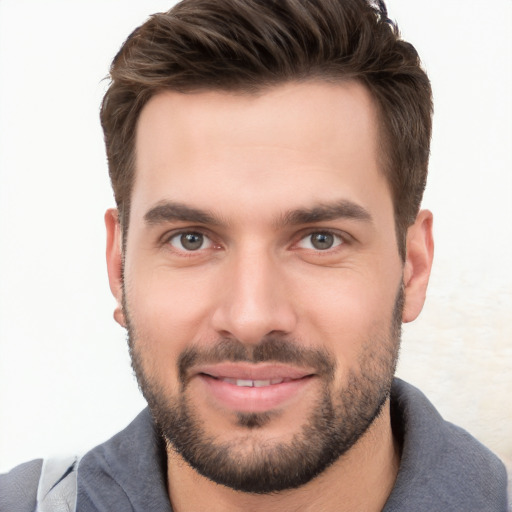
[(254, 399)]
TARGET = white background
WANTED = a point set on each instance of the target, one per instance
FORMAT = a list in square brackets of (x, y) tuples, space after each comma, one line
[(65, 379)]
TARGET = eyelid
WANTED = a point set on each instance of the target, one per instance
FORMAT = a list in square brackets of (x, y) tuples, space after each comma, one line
[(344, 237), (166, 238), (176, 240)]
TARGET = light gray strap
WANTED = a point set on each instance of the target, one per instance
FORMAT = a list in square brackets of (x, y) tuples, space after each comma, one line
[(57, 488)]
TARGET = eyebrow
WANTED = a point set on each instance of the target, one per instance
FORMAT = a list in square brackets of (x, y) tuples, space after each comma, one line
[(343, 209), (170, 211)]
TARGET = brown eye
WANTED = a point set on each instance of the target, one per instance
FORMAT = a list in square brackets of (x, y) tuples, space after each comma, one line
[(190, 241), (320, 241)]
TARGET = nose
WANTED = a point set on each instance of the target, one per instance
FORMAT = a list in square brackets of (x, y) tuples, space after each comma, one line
[(254, 300)]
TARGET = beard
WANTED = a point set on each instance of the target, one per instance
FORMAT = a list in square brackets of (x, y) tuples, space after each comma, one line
[(250, 463)]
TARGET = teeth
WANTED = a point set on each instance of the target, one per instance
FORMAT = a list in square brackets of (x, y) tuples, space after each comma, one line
[(247, 383), (261, 383), (244, 383)]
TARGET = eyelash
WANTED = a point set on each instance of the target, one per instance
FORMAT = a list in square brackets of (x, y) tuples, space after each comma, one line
[(166, 240), (343, 237)]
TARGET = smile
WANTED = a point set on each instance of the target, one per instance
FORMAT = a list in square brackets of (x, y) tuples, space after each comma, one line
[(248, 383), (240, 387)]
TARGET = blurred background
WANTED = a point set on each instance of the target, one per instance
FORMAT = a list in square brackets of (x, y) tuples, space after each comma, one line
[(65, 379)]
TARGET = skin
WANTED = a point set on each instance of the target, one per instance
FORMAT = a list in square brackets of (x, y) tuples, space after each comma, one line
[(250, 160)]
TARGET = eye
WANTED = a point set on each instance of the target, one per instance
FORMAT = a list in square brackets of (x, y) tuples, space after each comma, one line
[(320, 241), (190, 241)]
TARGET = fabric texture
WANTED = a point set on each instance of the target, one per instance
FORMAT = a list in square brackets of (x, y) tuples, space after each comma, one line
[(57, 489), (442, 469), (18, 488), (127, 473)]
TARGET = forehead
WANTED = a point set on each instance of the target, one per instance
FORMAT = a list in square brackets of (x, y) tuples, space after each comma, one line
[(299, 142)]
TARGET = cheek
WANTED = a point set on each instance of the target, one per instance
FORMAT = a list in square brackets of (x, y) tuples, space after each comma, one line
[(167, 314), (165, 296), (353, 310)]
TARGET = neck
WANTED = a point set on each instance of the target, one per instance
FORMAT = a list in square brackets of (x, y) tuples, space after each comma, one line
[(362, 479)]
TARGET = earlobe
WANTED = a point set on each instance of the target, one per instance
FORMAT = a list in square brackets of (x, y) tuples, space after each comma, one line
[(114, 262), (418, 264)]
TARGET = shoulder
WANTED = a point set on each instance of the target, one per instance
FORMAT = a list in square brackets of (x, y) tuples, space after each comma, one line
[(127, 472), (443, 467), (48, 484), (18, 488)]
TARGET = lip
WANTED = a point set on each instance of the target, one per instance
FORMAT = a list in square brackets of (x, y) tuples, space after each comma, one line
[(248, 371), (219, 380)]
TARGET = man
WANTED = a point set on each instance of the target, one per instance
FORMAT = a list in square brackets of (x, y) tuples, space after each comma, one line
[(268, 161)]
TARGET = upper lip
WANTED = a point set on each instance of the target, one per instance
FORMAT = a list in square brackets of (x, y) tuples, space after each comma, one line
[(249, 371)]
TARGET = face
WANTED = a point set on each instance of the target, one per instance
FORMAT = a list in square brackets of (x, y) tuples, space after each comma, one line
[(262, 285)]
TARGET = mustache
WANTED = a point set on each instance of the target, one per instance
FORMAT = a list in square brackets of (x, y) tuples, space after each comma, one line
[(270, 349)]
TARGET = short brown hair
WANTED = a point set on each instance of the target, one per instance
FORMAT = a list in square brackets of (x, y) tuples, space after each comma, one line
[(247, 45)]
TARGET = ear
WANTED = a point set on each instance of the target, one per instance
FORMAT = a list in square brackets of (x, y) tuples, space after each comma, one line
[(418, 263), (115, 262)]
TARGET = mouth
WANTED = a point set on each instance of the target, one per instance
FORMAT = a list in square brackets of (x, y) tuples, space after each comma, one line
[(249, 383), (253, 388)]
